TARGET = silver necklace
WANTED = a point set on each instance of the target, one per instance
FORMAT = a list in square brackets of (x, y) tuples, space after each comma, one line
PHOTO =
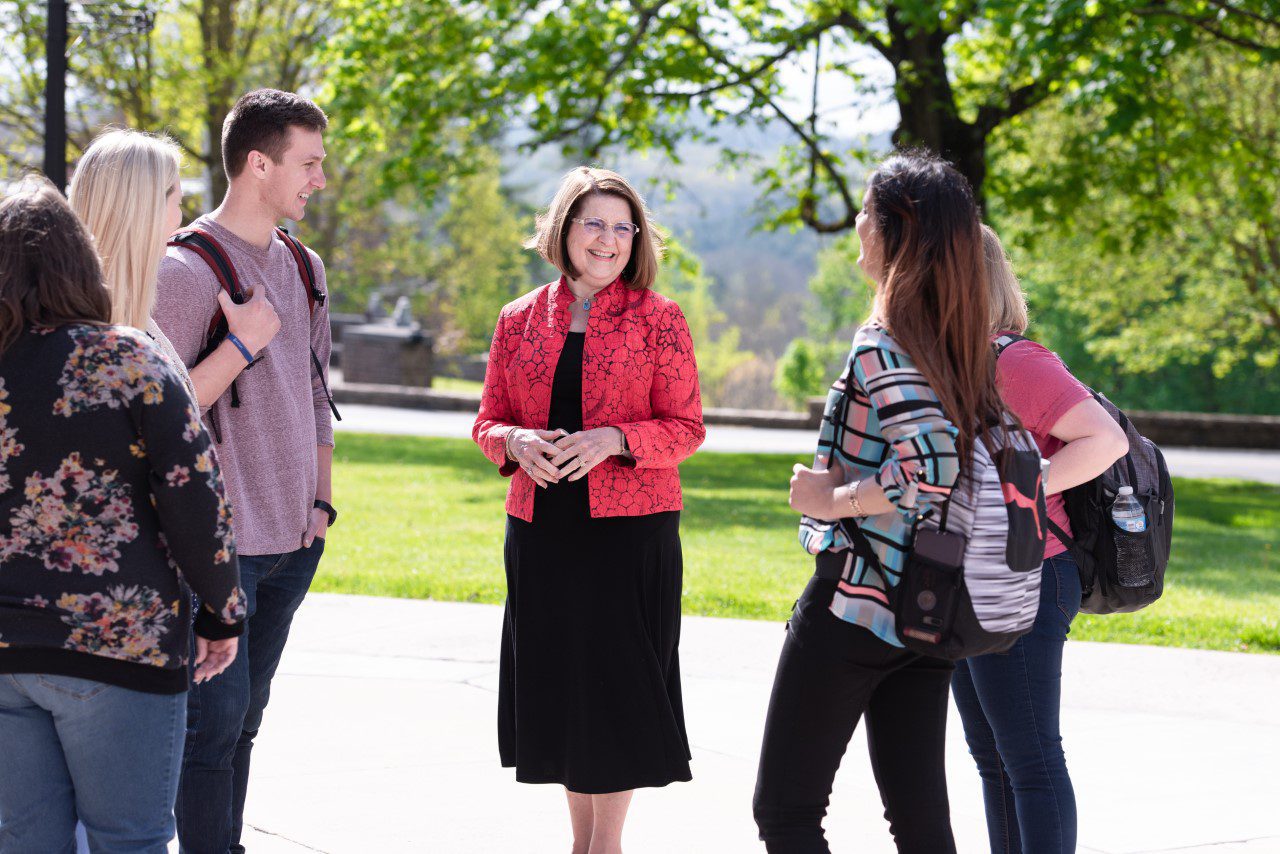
[(586, 303)]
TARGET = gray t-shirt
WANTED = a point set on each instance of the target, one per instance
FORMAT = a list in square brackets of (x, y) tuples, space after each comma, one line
[(268, 443)]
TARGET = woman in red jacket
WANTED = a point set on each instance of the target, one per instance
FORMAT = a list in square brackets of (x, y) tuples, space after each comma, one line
[(590, 402)]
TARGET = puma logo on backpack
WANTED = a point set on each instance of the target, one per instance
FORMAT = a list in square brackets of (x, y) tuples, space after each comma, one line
[(971, 583)]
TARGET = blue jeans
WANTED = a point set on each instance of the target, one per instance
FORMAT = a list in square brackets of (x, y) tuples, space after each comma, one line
[(1009, 704), (80, 749), (224, 714)]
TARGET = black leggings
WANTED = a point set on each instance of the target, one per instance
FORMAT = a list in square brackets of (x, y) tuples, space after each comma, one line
[(830, 674)]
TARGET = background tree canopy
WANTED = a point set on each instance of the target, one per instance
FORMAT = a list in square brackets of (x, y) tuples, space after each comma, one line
[(1127, 152)]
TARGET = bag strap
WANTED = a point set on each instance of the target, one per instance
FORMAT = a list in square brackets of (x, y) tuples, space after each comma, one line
[(1005, 340), (208, 248), (306, 270), (315, 296)]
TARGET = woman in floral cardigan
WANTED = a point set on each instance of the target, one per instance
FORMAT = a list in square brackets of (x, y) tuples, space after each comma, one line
[(111, 504)]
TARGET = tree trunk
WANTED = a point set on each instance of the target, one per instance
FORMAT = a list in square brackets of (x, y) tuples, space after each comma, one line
[(217, 29), (927, 103)]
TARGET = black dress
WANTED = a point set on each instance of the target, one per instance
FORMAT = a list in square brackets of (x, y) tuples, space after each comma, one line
[(589, 694)]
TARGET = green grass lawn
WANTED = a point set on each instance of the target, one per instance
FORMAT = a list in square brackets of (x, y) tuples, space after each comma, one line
[(423, 518), (456, 384)]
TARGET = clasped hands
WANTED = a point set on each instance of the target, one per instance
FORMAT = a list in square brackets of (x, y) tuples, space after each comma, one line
[(541, 453)]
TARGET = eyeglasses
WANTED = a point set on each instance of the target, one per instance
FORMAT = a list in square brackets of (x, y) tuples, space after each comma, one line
[(595, 226)]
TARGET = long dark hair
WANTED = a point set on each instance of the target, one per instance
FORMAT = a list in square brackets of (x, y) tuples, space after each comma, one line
[(49, 272), (933, 297)]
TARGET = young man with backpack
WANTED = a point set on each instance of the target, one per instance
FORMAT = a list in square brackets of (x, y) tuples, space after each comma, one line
[(244, 306)]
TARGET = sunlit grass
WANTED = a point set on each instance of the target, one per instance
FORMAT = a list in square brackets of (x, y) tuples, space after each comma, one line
[(423, 518)]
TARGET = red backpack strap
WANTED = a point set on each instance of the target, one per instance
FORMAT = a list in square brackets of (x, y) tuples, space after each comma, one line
[(207, 247), (306, 270), (315, 297)]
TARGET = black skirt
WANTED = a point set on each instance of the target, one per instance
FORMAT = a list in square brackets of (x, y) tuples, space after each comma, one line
[(589, 693)]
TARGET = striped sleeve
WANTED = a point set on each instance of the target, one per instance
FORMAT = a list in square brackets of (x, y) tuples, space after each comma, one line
[(920, 463)]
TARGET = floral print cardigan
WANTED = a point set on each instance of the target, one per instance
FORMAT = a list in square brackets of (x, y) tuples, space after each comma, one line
[(111, 504)]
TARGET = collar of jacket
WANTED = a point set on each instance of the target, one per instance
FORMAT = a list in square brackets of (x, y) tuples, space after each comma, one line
[(611, 297)]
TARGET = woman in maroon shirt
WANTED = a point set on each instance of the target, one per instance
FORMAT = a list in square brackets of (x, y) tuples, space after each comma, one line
[(590, 402), (1009, 702)]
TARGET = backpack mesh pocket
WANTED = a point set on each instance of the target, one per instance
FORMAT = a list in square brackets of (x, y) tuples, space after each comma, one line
[(1134, 564)]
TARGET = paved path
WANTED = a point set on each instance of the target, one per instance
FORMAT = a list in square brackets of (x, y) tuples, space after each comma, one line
[(381, 738), (1184, 462)]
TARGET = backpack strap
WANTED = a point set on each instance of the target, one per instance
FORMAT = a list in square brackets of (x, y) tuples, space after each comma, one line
[(1005, 340), (306, 270), (208, 248), (315, 296)]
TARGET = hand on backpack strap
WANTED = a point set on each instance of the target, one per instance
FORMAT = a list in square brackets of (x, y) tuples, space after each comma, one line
[(255, 322)]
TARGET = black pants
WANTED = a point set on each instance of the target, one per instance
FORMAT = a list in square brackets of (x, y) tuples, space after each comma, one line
[(830, 674)]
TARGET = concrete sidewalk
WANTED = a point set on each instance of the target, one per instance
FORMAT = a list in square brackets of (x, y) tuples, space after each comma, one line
[(381, 737)]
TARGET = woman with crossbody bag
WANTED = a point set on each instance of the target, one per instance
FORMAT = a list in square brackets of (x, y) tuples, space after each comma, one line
[(898, 433)]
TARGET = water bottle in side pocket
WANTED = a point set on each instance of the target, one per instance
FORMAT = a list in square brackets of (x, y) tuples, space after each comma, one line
[(1127, 513)]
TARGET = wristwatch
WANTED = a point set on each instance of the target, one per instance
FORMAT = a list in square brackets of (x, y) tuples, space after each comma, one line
[(328, 509)]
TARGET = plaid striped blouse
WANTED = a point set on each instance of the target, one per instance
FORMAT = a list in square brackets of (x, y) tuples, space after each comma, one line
[(882, 420)]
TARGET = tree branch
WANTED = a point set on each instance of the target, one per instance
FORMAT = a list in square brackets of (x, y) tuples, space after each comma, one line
[(1016, 102), (647, 15), (808, 204), (1207, 24)]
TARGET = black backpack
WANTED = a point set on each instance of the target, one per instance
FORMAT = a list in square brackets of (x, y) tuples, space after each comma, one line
[(1119, 571), (207, 247)]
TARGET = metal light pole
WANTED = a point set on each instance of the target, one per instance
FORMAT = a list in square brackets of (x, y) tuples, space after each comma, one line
[(55, 95), (93, 17)]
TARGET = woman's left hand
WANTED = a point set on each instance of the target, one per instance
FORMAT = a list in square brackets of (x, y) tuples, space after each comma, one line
[(813, 492), (587, 449)]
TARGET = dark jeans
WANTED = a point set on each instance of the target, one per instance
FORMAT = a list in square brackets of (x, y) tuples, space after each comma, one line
[(832, 673), (223, 714), (1009, 703)]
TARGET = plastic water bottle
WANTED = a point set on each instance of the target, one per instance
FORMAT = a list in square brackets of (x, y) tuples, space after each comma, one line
[(1127, 513)]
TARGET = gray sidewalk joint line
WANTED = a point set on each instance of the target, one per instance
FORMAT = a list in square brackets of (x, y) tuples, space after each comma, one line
[(1203, 845), (266, 832)]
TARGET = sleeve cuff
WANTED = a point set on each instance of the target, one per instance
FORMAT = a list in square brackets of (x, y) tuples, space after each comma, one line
[(635, 443), (210, 627)]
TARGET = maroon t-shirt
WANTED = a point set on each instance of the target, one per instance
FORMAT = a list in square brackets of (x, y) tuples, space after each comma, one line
[(1040, 390)]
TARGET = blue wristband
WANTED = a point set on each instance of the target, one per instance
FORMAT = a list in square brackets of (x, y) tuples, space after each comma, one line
[(244, 351)]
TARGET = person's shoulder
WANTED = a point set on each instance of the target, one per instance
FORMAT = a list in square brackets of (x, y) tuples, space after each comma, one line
[(182, 267), (1023, 351), (873, 336), (659, 304), (522, 304), (129, 349)]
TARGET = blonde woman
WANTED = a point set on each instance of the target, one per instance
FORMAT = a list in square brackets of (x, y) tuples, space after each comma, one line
[(126, 190), (1009, 703)]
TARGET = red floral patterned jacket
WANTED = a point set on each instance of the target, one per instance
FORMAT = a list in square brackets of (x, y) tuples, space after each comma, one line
[(638, 374)]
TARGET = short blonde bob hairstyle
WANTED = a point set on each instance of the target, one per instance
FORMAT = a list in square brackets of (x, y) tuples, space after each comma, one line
[(551, 233), (1007, 299), (119, 191)]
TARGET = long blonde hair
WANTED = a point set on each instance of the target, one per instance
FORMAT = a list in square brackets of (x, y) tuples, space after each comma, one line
[(119, 191), (1007, 300)]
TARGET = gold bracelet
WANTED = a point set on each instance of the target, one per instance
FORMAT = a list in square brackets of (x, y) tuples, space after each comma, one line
[(506, 444), (855, 509)]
